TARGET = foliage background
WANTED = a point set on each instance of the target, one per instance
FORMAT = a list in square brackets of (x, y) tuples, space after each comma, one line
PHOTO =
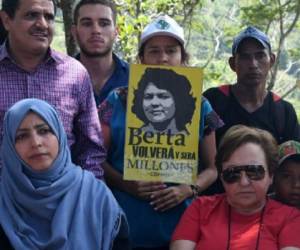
[(210, 26)]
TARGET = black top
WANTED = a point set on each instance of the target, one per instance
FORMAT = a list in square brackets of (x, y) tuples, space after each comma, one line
[(275, 115)]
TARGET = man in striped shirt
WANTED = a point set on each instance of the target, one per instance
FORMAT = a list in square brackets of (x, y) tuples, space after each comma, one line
[(29, 68)]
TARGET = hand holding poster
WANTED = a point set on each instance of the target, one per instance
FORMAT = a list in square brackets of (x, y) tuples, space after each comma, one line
[(162, 130)]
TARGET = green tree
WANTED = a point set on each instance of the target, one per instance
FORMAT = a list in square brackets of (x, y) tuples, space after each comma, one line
[(209, 29), (135, 14), (67, 7), (277, 18)]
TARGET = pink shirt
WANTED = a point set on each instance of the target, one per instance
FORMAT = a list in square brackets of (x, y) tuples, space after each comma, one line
[(64, 83)]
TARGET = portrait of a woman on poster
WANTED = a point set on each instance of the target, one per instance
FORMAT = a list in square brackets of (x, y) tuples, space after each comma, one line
[(163, 102)]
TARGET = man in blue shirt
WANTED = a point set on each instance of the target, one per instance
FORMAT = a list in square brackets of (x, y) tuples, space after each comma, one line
[(95, 31)]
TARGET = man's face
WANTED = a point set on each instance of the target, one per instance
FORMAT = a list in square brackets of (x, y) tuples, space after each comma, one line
[(252, 63), (95, 31), (31, 29)]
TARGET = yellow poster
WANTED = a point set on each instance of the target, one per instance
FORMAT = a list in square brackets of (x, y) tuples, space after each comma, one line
[(162, 124)]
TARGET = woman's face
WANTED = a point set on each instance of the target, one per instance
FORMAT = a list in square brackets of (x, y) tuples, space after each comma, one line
[(246, 194), (162, 50), (36, 143), (158, 104)]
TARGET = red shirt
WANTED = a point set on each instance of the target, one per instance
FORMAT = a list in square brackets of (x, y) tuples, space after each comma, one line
[(206, 223)]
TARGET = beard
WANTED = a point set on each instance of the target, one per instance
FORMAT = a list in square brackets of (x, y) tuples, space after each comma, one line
[(94, 54)]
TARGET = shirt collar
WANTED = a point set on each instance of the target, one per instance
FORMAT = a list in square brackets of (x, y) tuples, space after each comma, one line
[(57, 57), (51, 54), (119, 63), (3, 52)]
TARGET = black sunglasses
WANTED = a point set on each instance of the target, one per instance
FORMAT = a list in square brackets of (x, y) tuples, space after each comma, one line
[(253, 172)]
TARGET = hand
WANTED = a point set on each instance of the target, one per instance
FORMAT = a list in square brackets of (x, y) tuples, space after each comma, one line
[(143, 189), (170, 197)]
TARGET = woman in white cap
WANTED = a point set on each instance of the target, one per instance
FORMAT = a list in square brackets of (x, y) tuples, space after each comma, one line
[(154, 208)]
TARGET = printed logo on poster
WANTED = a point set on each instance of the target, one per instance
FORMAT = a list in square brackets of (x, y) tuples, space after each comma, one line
[(162, 123)]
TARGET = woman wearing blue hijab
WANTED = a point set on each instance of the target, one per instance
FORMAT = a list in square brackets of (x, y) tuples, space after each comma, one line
[(46, 201)]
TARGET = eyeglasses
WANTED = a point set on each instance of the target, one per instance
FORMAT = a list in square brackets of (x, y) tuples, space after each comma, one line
[(253, 172)]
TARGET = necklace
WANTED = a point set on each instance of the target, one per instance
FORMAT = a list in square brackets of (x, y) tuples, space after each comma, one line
[(259, 229)]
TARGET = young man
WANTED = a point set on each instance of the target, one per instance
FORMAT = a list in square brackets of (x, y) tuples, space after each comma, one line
[(30, 68), (95, 31), (247, 101), (287, 176)]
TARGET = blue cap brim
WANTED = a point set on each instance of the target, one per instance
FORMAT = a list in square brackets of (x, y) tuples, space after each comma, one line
[(237, 43)]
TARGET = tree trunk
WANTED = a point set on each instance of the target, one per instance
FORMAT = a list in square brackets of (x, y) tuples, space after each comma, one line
[(67, 7)]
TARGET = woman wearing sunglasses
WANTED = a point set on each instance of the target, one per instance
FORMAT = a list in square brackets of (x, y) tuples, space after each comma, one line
[(243, 217)]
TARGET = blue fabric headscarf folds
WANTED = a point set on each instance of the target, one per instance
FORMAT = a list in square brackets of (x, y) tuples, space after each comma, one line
[(63, 207)]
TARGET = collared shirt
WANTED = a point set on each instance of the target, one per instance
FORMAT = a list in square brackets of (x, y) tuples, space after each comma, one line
[(119, 78), (64, 83)]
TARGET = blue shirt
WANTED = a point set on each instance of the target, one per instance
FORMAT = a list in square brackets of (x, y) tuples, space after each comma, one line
[(148, 228), (119, 78)]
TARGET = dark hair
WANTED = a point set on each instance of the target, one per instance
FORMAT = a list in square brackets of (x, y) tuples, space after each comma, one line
[(238, 136), (10, 7), (293, 158), (238, 50), (3, 32), (107, 3), (178, 85), (184, 55)]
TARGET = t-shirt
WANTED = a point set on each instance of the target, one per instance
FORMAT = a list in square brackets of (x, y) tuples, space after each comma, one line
[(148, 228), (275, 115), (206, 222)]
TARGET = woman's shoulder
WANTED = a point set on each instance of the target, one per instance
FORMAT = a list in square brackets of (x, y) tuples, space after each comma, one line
[(210, 200), (275, 207), (206, 205), (91, 182), (283, 222), (287, 213)]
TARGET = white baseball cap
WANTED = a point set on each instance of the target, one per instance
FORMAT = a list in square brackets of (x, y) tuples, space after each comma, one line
[(162, 25)]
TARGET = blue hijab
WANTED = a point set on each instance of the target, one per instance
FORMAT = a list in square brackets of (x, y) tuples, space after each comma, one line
[(63, 207)]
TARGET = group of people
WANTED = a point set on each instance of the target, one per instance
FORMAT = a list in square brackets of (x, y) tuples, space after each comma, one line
[(51, 105)]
